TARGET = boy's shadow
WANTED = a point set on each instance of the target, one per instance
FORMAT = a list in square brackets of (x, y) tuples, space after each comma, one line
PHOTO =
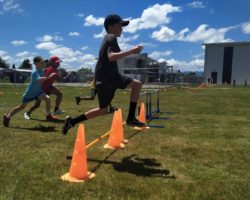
[(39, 128), (139, 166), (54, 121)]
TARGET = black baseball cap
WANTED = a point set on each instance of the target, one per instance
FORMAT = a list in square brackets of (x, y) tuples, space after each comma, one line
[(113, 19)]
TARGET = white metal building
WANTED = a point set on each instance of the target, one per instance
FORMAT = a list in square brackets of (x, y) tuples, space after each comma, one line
[(142, 67), (227, 63)]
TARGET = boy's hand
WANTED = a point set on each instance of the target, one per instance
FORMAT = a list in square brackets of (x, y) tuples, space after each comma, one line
[(137, 49)]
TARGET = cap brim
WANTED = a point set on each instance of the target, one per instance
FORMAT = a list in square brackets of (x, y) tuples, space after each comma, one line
[(58, 61), (124, 22)]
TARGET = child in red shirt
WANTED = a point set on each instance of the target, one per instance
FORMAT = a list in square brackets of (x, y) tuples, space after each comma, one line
[(48, 88)]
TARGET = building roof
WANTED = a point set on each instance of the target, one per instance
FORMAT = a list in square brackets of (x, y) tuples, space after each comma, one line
[(242, 43)]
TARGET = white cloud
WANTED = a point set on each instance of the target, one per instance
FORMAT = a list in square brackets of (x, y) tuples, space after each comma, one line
[(58, 38), (159, 54), (18, 58), (23, 54), (164, 34), (65, 52), (84, 48), (10, 6), (199, 55), (74, 34), (211, 11), (18, 42), (71, 59), (148, 44), (2, 52), (124, 39), (49, 38), (91, 20), (202, 34), (125, 42), (125, 46), (81, 15), (4, 55), (205, 34), (246, 28), (47, 45), (152, 17), (194, 65), (45, 38), (88, 60), (100, 35), (196, 4)]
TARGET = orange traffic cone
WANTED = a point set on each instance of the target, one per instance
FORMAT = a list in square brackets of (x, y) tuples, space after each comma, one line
[(142, 118), (115, 137), (120, 127), (78, 168)]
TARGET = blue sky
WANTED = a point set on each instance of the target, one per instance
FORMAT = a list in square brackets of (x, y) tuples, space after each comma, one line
[(171, 31)]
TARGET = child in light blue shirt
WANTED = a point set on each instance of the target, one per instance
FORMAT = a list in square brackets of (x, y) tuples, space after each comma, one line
[(33, 91)]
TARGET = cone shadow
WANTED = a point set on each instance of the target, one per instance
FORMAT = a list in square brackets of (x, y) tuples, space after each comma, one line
[(143, 167)]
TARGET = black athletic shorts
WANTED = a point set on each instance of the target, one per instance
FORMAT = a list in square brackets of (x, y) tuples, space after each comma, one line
[(106, 90)]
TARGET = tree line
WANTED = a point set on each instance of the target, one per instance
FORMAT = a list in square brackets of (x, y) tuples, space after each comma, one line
[(81, 75)]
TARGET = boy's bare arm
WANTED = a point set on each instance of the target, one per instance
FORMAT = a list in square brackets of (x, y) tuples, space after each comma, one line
[(116, 56), (51, 76)]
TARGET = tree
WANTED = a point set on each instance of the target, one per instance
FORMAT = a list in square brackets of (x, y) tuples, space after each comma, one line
[(85, 75), (62, 74), (4, 64), (25, 64)]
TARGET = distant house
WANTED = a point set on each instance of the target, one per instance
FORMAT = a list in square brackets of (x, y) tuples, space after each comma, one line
[(15, 75), (227, 63), (143, 68)]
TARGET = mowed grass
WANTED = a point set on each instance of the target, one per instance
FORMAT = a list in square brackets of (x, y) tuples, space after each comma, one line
[(202, 153)]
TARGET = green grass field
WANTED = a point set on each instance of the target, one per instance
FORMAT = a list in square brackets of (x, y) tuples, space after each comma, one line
[(202, 153)]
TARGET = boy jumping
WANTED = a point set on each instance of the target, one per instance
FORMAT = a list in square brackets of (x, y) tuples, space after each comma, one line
[(107, 77), (33, 91)]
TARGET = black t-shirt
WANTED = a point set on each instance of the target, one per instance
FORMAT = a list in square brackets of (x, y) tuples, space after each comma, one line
[(106, 70)]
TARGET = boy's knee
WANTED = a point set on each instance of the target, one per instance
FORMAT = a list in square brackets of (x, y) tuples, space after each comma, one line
[(47, 98), (137, 84)]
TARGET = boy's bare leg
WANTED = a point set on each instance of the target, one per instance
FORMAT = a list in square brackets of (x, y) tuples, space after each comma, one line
[(17, 109), (35, 106), (46, 98), (58, 95), (7, 117), (135, 85), (96, 112)]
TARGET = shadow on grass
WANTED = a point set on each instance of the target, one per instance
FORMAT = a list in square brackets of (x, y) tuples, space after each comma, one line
[(54, 121), (133, 164), (39, 128), (108, 156)]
